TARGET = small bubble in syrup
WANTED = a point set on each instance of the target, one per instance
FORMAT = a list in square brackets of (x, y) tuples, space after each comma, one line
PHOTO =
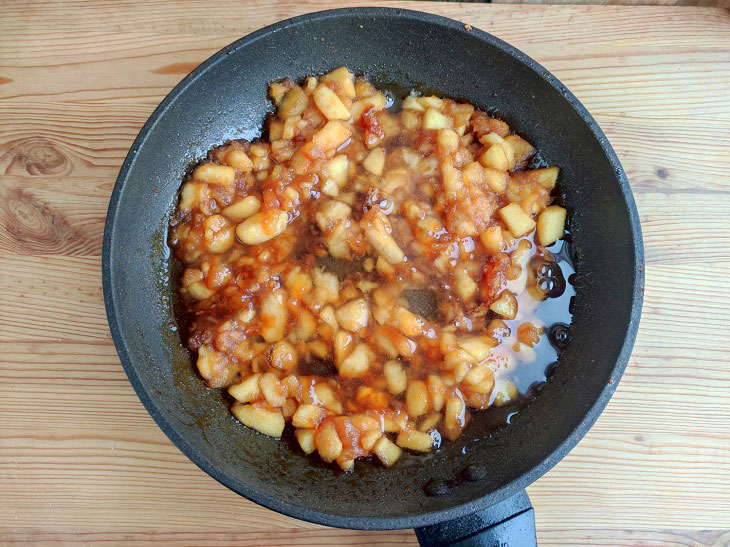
[(550, 279), (551, 369), (560, 336), (436, 487), (535, 389), (474, 472)]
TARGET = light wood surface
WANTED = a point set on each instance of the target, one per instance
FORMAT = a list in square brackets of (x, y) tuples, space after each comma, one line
[(80, 459)]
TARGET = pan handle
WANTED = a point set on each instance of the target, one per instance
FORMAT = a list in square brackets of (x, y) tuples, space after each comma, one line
[(510, 522)]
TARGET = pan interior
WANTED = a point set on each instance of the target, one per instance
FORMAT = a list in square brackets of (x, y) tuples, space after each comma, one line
[(225, 99)]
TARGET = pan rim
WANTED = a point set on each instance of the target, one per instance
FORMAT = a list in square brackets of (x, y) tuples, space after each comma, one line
[(306, 513)]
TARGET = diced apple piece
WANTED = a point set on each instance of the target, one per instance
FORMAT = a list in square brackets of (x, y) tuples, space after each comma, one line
[(493, 240), (330, 188), (473, 173), (283, 355), (505, 305), (331, 213), (496, 180), (330, 104), (306, 440), (409, 323), (547, 176), (486, 385), (212, 173), (411, 103), (215, 367), (267, 422), (357, 363), (262, 226), (494, 139), (436, 389), (379, 234), (415, 440), (344, 80), (520, 147), (199, 291), (336, 170), (448, 140), (431, 101), (272, 390), (376, 101), (477, 374), (332, 135), (369, 438), (289, 129), (241, 210), (386, 451), (328, 316), (328, 443), (455, 416), (417, 400), (346, 464), (276, 131), (499, 127), (495, 157), (375, 161), (477, 346), (410, 118), (298, 282), (274, 315), (326, 396), (238, 159), (293, 103), (395, 377), (516, 219), (277, 90), (504, 392), (429, 422), (354, 315), (490, 139), (189, 195), (465, 286), (246, 391), (433, 119), (308, 416), (365, 423), (551, 225)]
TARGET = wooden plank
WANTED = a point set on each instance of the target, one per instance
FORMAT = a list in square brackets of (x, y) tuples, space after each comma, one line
[(81, 460), (65, 303), (554, 536), (77, 378), (41, 220), (34, 309), (92, 140)]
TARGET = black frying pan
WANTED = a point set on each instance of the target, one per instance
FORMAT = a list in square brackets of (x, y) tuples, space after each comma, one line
[(469, 489)]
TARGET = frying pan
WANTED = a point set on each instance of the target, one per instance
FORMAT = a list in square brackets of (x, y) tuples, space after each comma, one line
[(470, 492)]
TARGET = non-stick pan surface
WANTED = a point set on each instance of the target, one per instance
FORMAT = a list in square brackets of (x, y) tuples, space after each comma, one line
[(224, 99)]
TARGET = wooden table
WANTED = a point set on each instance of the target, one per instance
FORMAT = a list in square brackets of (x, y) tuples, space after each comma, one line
[(80, 459)]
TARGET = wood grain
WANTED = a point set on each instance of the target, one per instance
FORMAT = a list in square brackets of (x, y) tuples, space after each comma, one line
[(81, 462)]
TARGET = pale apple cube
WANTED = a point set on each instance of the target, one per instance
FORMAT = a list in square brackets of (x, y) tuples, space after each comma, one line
[(551, 225), (266, 422), (516, 219)]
